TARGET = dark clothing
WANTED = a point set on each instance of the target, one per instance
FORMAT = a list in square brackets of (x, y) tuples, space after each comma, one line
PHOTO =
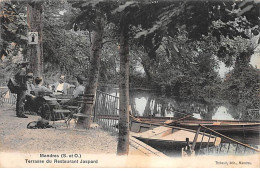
[(30, 104), (37, 101), (20, 78), (20, 102)]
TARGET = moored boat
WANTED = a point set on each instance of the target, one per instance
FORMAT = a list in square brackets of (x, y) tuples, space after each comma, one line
[(170, 138), (222, 126), (244, 131)]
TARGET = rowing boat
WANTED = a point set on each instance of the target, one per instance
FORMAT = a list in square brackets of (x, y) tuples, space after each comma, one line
[(224, 127), (244, 131), (170, 138), (221, 126)]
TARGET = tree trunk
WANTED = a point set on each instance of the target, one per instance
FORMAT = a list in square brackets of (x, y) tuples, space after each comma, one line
[(147, 71), (155, 108), (91, 87), (123, 138), (133, 105), (163, 108), (35, 24)]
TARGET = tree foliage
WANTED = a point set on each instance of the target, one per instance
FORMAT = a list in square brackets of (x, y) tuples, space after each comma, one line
[(13, 38), (177, 45)]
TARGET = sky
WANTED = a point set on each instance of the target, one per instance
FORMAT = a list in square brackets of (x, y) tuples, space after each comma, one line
[(255, 60)]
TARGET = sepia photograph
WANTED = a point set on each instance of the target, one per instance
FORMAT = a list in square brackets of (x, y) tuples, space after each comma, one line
[(129, 84)]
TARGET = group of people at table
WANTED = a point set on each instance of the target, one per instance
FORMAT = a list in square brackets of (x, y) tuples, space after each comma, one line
[(60, 87)]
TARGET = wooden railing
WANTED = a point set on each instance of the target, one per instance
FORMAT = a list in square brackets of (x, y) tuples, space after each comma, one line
[(106, 111), (6, 96)]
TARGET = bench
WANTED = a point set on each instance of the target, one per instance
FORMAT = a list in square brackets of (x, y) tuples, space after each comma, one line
[(62, 114), (75, 110), (80, 115)]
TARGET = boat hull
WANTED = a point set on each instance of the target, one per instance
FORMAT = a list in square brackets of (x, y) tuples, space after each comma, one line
[(244, 131), (170, 139), (248, 134)]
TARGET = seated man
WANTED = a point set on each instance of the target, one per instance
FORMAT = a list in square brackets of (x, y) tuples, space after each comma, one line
[(60, 87), (40, 88), (79, 90), (39, 100)]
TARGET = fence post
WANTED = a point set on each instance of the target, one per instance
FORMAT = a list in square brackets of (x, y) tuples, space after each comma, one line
[(195, 139)]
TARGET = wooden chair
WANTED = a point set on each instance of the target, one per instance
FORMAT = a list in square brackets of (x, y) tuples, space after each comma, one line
[(76, 110)]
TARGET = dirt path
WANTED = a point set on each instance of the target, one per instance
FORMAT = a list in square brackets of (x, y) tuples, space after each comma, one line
[(15, 137)]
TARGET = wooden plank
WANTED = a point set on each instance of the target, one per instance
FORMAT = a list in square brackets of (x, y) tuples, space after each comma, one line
[(158, 132), (168, 134), (61, 111), (81, 115), (143, 148), (48, 98), (72, 107)]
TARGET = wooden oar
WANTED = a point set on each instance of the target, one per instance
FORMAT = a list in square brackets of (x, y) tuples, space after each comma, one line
[(176, 121), (167, 122)]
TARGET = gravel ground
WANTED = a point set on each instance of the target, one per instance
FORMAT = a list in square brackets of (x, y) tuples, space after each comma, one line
[(15, 137)]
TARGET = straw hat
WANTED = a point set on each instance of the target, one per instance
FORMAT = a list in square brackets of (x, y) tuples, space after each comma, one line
[(30, 74)]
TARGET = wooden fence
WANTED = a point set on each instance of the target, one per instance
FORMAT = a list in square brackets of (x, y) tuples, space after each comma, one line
[(106, 111), (6, 96)]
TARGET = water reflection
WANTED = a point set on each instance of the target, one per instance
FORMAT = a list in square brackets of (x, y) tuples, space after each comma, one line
[(222, 114), (150, 104)]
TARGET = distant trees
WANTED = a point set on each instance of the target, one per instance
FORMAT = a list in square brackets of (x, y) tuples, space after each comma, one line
[(64, 49), (13, 39)]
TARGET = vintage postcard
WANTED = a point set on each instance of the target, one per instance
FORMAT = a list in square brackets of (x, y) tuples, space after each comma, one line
[(129, 84)]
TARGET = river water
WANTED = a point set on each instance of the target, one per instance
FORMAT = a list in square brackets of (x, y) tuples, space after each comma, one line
[(152, 104)]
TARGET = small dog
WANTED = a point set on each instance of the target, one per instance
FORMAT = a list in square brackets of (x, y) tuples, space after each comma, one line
[(40, 124)]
